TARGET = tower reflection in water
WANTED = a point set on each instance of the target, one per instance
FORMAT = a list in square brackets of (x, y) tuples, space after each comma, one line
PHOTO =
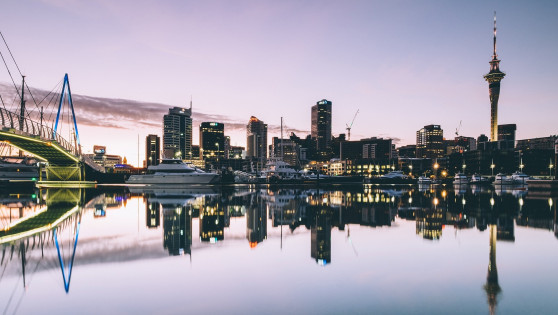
[(492, 287)]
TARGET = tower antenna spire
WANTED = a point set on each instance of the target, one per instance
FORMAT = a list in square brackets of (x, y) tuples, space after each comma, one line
[(190, 103), (495, 56)]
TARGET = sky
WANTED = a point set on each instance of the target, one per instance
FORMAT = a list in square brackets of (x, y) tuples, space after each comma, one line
[(402, 64)]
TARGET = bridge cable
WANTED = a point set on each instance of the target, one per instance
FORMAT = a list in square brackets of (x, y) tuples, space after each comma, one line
[(21, 74), (3, 105), (11, 77)]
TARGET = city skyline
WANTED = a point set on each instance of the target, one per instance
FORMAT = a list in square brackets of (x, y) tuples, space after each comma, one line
[(379, 58)]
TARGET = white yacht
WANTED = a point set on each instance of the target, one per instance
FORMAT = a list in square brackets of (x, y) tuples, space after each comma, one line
[(502, 179), (460, 179), (520, 178), (477, 179), (174, 171), (276, 167), (423, 180), (395, 175)]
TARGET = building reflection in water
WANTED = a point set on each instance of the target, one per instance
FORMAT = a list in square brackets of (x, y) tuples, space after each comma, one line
[(429, 221), (177, 219), (320, 235), (212, 222), (152, 214), (256, 222), (177, 229)]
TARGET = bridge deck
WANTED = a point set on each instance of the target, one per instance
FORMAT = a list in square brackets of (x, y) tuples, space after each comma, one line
[(47, 150)]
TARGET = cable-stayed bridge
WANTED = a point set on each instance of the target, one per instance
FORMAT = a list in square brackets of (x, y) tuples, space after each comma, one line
[(63, 157)]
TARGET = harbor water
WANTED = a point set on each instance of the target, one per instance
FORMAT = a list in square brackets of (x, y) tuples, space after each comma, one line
[(277, 249)]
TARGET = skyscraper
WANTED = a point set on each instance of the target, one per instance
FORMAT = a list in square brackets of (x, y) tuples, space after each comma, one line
[(177, 133), (321, 128), (430, 142), (256, 139), (212, 140), (152, 150), (493, 78)]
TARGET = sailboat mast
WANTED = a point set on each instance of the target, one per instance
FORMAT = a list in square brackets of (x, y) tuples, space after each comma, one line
[(281, 138)]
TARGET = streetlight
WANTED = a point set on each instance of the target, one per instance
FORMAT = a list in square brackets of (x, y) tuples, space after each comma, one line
[(411, 169), (463, 167), (436, 165), (492, 166), (550, 166)]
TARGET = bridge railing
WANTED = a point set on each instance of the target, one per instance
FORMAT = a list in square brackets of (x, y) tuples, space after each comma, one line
[(31, 127)]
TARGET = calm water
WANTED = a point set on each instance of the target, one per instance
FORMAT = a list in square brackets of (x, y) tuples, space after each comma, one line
[(278, 250)]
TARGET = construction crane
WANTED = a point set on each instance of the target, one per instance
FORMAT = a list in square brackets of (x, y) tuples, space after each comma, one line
[(351, 126), (458, 129)]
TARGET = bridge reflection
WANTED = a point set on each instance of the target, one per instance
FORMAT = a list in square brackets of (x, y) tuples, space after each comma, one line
[(45, 220)]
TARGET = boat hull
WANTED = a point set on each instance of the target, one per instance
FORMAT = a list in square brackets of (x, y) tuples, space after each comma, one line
[(176, 179)]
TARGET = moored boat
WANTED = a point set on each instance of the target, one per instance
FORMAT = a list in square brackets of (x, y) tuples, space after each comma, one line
[(520, 178), (174, 171), (460, 179), (423, 180), (477, 179), (502, 179)]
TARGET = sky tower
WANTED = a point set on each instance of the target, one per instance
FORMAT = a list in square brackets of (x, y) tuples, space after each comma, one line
[(493, 78)]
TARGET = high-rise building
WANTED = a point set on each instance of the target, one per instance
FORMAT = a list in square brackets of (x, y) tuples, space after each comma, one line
[(152, 150), (507, 132), (493, 78), (212, 140), (482, 138), (430, 142), (321, 128), (371, 148), (177, 133), (256, 139), (227, 146), (287, 149)]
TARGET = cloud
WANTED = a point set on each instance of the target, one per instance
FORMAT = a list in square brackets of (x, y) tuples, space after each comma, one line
[(117, 113)]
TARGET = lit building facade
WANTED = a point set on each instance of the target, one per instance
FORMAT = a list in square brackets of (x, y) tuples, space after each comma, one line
[(287, 149), (369, 149), (256, 140), (507, 133), (430, 142), (321, 128), (105, 160), (212, 140), (152, 150), (177, 133)]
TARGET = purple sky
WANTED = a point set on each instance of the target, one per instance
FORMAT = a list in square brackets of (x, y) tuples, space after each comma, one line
[(404, 64)]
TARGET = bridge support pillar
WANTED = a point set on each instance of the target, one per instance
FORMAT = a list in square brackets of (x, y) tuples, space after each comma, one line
[(65, 173)]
